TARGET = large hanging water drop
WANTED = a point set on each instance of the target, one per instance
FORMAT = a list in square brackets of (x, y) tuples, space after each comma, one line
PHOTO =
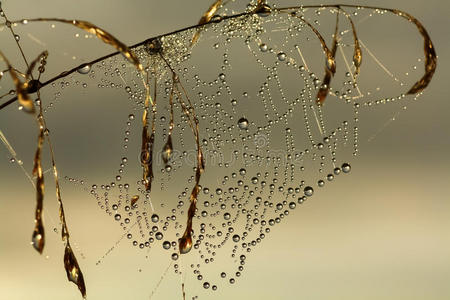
[(243, 123)]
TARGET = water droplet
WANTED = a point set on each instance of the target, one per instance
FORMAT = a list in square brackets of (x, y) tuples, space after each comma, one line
[(263, 47), (346, 167), (309, 191), (243, 123), (167, 150), (281, 56), (337, 171), (236, 238), (166, 245), (155, 218), (84, 69)]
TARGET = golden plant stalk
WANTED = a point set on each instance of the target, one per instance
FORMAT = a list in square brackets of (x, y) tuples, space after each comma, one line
[(429, 50), (206, 18)]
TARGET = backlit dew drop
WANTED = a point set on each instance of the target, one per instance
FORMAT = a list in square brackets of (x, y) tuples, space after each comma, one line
[(281, 56), (309, 191), (337, 171), (155, 218), (166, 245), (84, 70), (263, 47), (243, 123), (167, 150), (346, 168)]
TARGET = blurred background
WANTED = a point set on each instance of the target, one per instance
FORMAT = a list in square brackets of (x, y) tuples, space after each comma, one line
[(382, 232)]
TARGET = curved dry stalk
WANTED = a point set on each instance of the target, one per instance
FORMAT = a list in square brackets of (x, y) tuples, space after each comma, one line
[(148, 141), (38, 237), (429, 50), (329, 73), (118, 45), (168, 147), (330, 62), (430, 54), (206, 18), (104, 36), (71, 266), (73, 270), (357, 53), (185, 242), (21, 87)]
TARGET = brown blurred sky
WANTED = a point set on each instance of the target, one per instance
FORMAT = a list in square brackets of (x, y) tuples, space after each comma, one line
[(383, 232)]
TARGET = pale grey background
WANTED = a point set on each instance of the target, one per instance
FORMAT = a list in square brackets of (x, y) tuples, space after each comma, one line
[(391, 239)]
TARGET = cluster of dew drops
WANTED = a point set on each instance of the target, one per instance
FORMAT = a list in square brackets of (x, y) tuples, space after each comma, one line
[(235, 210)]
